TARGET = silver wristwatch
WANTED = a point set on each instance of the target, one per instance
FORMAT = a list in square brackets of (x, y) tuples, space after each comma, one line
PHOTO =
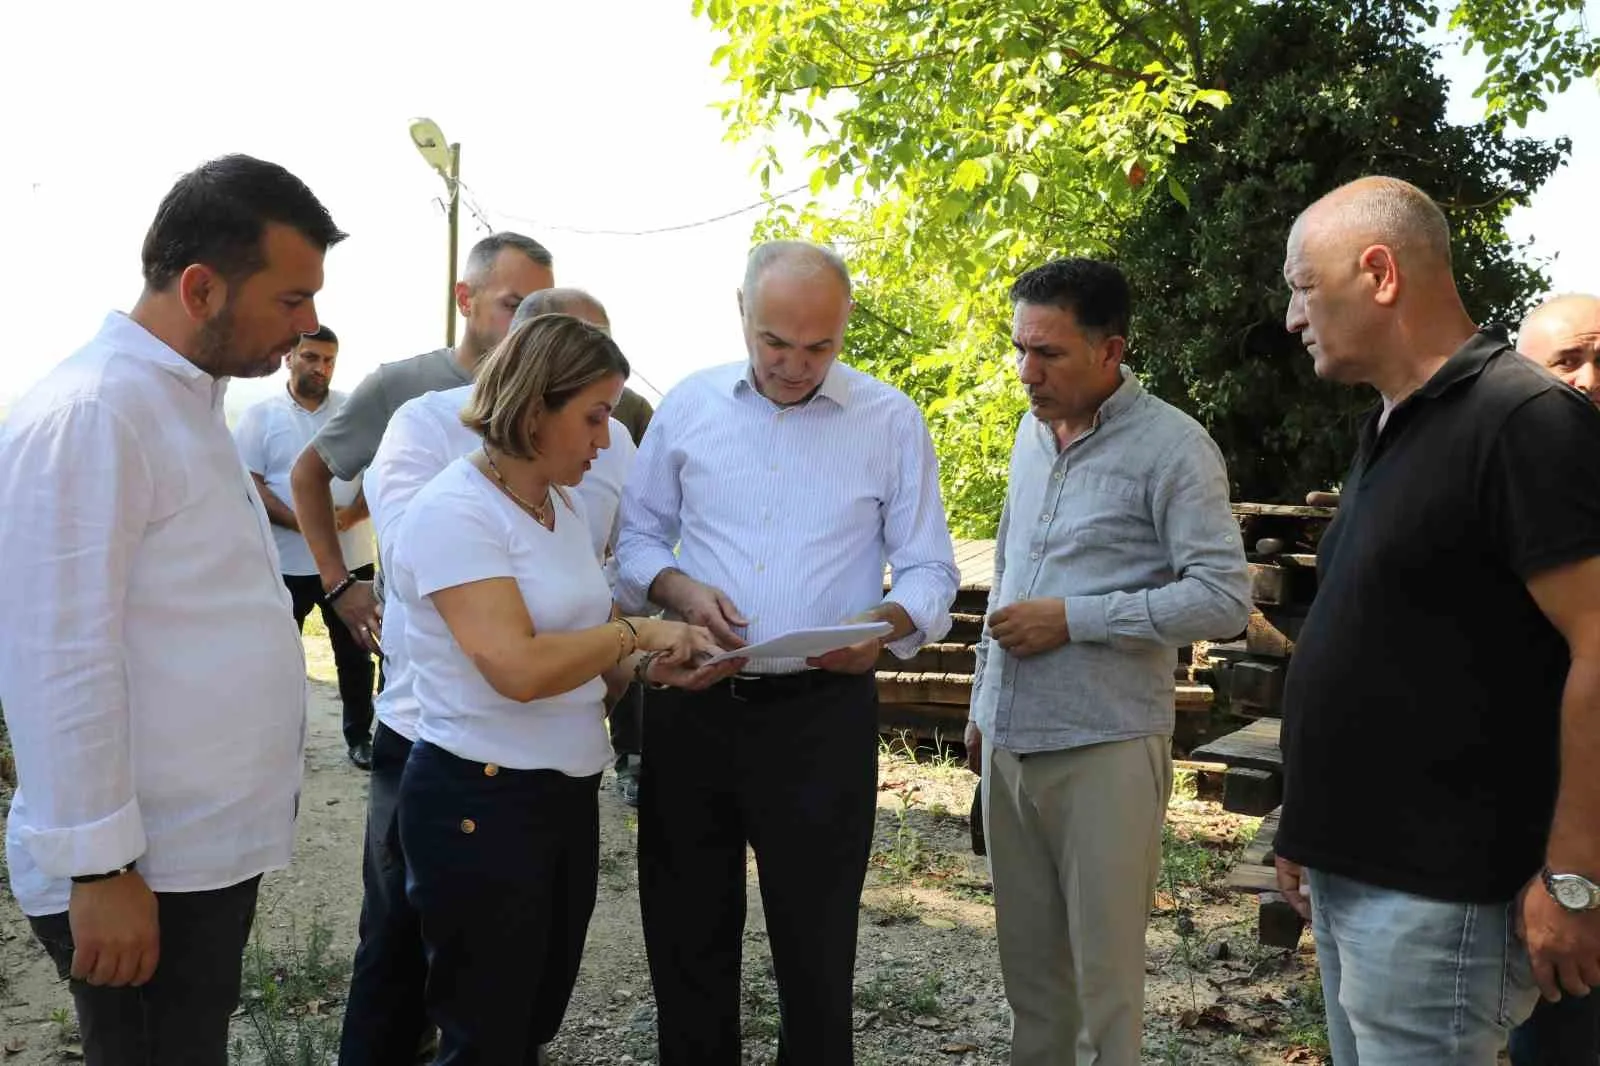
[(1573, 891)]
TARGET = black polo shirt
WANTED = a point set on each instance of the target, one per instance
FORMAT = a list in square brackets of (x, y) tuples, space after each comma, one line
[(1422, 706)]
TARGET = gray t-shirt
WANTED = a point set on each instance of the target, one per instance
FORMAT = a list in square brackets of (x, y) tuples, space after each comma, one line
[(350, 439)]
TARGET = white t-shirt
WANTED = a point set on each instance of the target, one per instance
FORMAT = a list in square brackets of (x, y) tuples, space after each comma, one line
[(425, 436), (270, 437), (460, 529)]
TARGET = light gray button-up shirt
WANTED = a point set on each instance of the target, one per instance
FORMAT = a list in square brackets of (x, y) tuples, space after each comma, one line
[(1131, 526)]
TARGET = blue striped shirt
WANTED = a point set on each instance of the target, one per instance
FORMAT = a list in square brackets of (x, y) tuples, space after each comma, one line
[(791, 511)]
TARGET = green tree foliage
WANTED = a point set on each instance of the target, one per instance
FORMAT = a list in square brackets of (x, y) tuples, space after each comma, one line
[(980, 137), (1322, 97)]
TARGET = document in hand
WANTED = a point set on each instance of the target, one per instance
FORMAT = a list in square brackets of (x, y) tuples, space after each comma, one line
[(804, 643)]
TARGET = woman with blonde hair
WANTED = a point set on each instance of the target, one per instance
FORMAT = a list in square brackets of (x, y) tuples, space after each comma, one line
[(514, 642)]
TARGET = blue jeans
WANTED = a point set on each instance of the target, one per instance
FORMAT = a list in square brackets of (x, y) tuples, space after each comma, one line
[(1410, 980)]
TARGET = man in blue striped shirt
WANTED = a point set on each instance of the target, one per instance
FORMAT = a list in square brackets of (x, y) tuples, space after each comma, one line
[(786, 482)]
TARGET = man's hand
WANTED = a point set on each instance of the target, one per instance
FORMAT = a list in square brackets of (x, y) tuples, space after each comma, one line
[(1029, 627), (1563, 945), (362, 614), (692, 678), (116, 935), (1292, 883), (701, 605), (344, 519), (972, 740), (856, 659)]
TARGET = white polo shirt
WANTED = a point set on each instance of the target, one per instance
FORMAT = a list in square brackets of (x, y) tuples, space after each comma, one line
[(271, 435), (460, 529)]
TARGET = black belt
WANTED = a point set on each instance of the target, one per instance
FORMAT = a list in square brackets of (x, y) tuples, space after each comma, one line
[(771, 688)]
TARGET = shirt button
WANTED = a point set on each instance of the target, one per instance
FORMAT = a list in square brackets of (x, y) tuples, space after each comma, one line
[(1044, 517), (468, 825), (490, 769), (1058, 475), (761, 568), (1034, 556)]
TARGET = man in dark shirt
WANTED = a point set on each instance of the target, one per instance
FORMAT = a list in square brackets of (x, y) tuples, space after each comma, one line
[(1453, 652), (1563, 335)]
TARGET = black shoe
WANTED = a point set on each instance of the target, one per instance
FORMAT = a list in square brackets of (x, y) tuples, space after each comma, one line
[(361, 755)]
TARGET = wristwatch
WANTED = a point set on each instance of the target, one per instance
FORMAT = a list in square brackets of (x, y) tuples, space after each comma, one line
[(1573, 891), (89, 879)]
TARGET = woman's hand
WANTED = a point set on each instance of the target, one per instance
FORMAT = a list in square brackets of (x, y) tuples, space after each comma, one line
[(679, 643)]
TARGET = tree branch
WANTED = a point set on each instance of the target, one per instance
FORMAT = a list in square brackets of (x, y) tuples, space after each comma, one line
[(1133, 30), (874, 70)]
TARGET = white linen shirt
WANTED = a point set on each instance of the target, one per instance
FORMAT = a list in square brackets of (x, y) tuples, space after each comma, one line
[(150, 670), (459, 529), (271, 435), (792, 511), (425, 436)]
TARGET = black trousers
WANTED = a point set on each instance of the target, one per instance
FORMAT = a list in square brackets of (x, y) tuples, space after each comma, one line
[(351, 661), (180, 1017), (1566, 1033), (502, 867), (384, 1016), (712, 781), (627, 722)]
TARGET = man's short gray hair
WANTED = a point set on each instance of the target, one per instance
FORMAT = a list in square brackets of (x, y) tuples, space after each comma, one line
[(481, 259), (555, 302), (800, 257), (1384, 210)]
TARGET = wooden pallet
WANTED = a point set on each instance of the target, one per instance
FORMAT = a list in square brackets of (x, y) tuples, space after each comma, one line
[(1278, 925)]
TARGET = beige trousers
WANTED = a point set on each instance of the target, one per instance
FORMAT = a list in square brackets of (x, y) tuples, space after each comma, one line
[(1075, 849)]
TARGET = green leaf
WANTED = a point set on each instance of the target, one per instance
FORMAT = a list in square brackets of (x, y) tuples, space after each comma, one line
[(1179, 193), (1029, 182)]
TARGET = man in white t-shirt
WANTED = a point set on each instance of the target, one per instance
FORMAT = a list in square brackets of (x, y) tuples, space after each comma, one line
[(270, 437), (425, 435)]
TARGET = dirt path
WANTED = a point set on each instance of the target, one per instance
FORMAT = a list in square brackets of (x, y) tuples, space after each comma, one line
[(928, 979)]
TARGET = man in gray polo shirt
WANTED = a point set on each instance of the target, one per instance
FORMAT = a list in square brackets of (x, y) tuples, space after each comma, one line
[(1117, 545), (501, 270), (384, 1014)]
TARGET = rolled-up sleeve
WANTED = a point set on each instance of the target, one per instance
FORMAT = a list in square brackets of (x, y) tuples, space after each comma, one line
[(648, 519), (75, 502), (1194, 522), (412, 452), (916, 538)]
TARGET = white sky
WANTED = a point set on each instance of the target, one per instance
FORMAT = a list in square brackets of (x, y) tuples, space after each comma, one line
[(591, 114)]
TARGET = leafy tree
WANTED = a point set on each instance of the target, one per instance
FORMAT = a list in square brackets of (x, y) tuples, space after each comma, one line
[(1322, 97), (980, 137)]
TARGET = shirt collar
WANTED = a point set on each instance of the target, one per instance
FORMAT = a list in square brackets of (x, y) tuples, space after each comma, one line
[(127, 335), (1121, 401), (1466, 364), (835, 385)]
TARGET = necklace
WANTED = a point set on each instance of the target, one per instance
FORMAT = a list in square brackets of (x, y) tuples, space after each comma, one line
[(540, 512)]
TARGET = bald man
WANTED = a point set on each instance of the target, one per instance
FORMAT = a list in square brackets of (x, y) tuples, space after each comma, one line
[(1563, 336), (1452, 652)]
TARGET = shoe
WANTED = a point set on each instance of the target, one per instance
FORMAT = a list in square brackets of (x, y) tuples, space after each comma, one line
[(628, 781), (361, 755)]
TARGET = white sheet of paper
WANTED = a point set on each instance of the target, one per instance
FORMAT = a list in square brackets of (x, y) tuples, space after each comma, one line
[(804, 643)]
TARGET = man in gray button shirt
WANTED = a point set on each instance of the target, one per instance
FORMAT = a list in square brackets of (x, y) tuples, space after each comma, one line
[(1116, 546)]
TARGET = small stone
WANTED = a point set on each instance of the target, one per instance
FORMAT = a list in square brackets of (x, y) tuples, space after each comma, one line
[(1220, 951)]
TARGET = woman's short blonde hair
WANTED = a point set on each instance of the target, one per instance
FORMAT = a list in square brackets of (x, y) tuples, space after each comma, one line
[(539, 367)]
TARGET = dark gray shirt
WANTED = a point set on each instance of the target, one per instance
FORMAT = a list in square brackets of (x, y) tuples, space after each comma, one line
[(1131, 526), (350, 439)]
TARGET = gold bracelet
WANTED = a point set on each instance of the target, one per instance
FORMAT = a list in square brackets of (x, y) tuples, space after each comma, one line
[(623, 632)]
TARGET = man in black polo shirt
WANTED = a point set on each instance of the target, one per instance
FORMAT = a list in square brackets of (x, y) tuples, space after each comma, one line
[(1442, 716)]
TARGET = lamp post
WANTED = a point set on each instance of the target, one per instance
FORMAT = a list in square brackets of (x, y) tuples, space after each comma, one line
[(445, 159)]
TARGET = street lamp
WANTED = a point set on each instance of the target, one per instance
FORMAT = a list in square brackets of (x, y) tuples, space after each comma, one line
[(445, 159)]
